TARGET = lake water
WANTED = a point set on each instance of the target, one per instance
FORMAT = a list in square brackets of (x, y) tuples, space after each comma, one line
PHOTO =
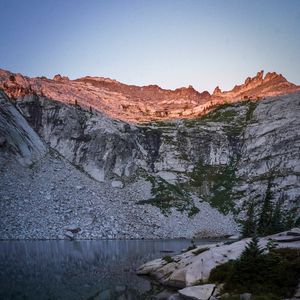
[(91, 270)]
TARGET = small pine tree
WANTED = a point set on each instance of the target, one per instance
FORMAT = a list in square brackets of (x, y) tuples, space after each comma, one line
[(277, 222), (252, 250), (248, 263), (249, 225), (264, 223)]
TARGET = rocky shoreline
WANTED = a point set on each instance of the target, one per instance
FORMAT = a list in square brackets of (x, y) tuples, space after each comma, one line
[(189, 272)]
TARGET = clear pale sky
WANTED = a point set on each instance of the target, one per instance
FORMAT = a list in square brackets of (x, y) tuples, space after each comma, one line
[(166, 42)]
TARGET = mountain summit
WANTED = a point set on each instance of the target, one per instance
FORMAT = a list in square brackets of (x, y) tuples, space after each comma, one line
[(141, 104)]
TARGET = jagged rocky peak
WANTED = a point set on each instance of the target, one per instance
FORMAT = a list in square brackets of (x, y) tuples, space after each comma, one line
[(205, 94), (258, 79), (186, 91), (274, 76), (140, 104), (58, 77), (217, 91)]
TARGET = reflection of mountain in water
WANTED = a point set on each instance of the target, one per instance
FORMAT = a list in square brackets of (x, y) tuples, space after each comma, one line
[(78, 269)]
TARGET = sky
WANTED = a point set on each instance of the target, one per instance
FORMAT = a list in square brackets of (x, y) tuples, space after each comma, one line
[(171, 43)]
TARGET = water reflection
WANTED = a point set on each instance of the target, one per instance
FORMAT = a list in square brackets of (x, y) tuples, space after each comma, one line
[(79, 269)]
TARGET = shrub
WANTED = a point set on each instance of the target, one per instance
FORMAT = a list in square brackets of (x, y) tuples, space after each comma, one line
[(168, 259), (268, 276)]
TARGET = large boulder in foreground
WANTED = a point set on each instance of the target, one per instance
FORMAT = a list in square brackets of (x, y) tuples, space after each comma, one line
[(199, 292)]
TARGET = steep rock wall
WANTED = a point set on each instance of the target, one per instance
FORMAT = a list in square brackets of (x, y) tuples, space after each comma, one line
[(17, 139), (226, 158)]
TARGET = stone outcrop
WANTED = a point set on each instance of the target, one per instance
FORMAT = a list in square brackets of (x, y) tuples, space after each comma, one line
[(258, 87), (194, 266), (198, 292)]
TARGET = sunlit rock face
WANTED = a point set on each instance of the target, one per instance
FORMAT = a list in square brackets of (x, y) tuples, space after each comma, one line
[(140, 104)]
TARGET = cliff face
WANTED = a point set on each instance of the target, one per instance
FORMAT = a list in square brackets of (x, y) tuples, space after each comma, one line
[(178, 176), (54, 199), (140, 104), (17, 139), (227, 158)]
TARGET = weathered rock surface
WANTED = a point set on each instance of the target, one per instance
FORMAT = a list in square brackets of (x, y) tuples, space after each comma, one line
[(269, 152), (198, 292), (192, 267), (17, 138), (117, 184)]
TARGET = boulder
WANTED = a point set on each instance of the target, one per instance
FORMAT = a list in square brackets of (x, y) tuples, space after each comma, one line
[(175, 297), (117, 184), (72, 228), (218, 289), (151, 267), (287, 239), (245, 296), (69, 235), (163, 295), (198, 292), (294, 232)]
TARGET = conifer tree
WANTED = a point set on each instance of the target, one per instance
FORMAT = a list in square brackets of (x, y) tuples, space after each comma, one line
[(277, 222), (252, 249), (265, 220), (249, 225)]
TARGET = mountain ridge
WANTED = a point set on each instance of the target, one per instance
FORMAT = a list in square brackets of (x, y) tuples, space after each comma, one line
[(139, 104)]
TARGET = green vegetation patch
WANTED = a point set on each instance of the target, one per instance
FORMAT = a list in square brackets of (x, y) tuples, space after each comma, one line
[(167, 195), (214, 183), (219, 179), (272, 275), (224, 113), (168, 259), (270, 219), (234, 117)]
